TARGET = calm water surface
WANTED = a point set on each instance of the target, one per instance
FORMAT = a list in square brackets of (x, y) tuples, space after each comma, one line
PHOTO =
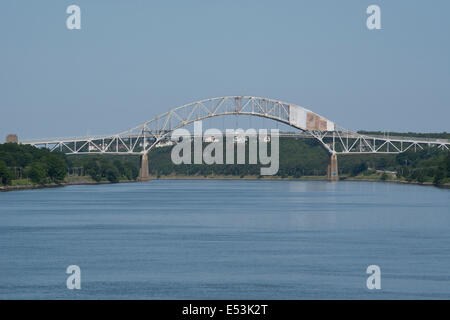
[(226, 240)]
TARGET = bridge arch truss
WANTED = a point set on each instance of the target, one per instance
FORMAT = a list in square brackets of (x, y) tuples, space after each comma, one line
[(155, 132)]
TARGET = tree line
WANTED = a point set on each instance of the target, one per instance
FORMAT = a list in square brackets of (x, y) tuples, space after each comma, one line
[(40, 166), (298, 158), (107, 167)]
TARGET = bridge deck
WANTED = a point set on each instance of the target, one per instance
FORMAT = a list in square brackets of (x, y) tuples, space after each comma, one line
[(282, 134)]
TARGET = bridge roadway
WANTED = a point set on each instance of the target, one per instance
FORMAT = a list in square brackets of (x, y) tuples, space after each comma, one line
[(303, 135)]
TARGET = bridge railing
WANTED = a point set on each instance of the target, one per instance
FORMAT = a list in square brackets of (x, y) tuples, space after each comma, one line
[(282, 134), (404, 138)]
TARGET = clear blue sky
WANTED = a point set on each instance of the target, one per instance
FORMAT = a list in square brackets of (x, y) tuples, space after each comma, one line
[(135, 59)]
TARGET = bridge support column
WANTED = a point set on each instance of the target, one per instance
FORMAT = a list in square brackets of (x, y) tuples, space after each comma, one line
[(332, 174), (143, 171)]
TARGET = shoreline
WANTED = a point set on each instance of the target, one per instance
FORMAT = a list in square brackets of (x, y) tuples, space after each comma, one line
[(86, 181), (57, 185), (425, 184), (304, 178)]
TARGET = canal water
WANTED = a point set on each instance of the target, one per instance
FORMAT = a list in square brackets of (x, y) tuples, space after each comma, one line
[(226, 240)]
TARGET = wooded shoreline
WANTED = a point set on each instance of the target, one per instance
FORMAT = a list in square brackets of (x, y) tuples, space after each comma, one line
[(185, 177)]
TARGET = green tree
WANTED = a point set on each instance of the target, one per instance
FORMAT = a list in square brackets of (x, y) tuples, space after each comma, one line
[(56, 167), (447, 165), (120, 167), (5, 173), (93, 169), (112, 174), (439, 176), (421, 176), (131, 171), (38, 173), (361, 167)]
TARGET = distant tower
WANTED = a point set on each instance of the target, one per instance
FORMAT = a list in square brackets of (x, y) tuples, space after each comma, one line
[(12, 138)]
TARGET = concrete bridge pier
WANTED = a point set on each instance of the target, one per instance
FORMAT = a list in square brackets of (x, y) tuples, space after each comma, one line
[(143, 171), (332, 173)]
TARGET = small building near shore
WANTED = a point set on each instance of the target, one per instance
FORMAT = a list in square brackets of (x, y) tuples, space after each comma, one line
[(12, 138)]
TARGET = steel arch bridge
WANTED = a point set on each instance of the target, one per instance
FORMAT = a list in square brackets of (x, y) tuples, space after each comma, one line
[(144, 137)]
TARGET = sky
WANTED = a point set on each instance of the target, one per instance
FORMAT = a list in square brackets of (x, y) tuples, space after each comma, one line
[(133, 60)]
